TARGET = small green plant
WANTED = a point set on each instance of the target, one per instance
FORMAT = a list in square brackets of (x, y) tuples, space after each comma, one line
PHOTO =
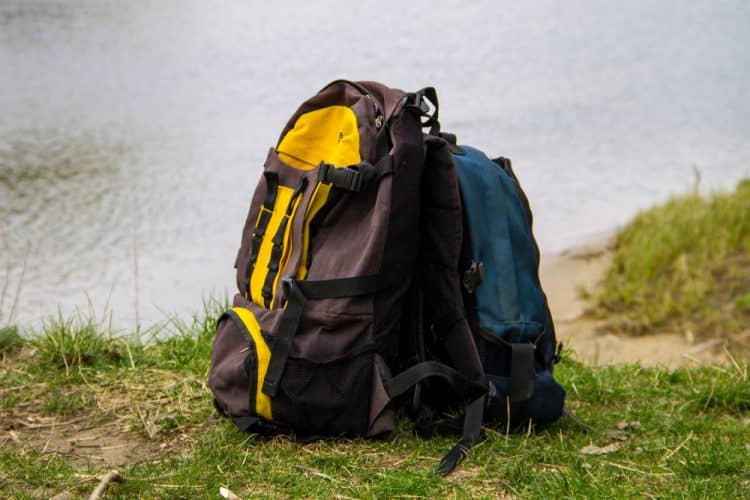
[(70, 342), (57, 402), (683, 265), (10, 339), (187, 345)]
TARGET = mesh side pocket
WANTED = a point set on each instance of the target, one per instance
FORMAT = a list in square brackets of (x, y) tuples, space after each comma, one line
[(326, 398)]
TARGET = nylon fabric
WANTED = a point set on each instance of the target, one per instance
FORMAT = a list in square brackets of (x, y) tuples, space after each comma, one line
[(509, 311), (329, 135), (319, 199), (262, 402), (288, 243), (510, 302), (261, 223), (260, 270)]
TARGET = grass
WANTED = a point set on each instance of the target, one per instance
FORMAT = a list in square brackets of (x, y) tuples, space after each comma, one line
[(679, 433), (77, 400), (684, 266), (10, 339)]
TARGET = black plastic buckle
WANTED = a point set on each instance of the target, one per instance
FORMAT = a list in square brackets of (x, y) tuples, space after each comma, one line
[(416, 101), (354, 179), (345, 178), (323, 169), (286, 284), (473, 276)]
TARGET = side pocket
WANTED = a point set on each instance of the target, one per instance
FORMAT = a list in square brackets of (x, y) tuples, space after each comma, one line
[(327, 398), (239, 359)]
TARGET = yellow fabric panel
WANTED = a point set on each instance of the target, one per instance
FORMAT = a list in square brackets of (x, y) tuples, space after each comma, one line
[(262, 402), (260, 271), (319, 198), (327, 134), (287, 249)]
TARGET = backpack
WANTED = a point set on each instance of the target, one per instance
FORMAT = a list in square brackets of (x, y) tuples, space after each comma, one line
[(312, 345), (505, 305)]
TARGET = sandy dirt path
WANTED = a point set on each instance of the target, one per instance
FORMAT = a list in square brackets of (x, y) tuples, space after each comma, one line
[(562, 276)]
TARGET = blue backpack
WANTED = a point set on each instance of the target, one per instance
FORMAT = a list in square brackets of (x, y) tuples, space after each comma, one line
[(483, 236), (505, 305)]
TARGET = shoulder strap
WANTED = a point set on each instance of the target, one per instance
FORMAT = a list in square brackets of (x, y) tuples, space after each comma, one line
[(442, 239), (441, 242), (473, 391)]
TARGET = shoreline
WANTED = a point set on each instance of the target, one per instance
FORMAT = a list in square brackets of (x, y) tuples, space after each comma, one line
[(564, 274)]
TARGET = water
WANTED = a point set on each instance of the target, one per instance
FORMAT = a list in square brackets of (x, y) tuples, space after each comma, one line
[(132, 133)]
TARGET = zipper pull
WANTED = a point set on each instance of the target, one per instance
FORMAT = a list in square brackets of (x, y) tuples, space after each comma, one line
[(379, 117)]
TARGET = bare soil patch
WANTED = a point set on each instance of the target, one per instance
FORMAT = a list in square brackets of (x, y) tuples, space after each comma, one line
[(83, 440), (564, 275)]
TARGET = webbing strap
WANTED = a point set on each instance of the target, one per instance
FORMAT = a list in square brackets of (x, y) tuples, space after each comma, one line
[(255, 425), (472, 433), (472, 428), (245, 424), (338, 288), (410, 377), (356, 178), (521, 385), (383, 143), (272, 184), (277, 249), (296, 293)]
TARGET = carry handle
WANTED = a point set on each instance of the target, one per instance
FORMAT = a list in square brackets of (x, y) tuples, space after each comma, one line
[(420, 101)]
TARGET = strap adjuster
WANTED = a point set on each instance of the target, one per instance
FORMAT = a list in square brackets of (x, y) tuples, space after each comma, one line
[(286, 284), (416, 101), (347, 178)]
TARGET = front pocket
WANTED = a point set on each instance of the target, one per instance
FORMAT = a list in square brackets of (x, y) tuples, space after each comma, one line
[(326, 398)]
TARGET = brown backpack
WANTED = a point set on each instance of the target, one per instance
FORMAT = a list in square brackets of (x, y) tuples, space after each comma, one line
[(349, 198)]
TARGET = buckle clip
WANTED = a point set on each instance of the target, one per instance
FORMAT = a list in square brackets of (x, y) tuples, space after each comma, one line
[(286, 283), (323, 169), (473, 276), (417, 102), (347, 178)]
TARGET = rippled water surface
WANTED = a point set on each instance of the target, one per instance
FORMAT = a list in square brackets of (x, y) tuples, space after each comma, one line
[(132, 133)]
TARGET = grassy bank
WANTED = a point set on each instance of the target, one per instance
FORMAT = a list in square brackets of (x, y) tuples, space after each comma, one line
[(76, 402), (684, 266)]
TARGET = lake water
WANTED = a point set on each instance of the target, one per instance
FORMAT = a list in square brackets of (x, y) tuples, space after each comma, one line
[(132, 133)]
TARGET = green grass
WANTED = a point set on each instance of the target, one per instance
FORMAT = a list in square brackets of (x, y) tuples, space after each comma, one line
[(10, 339), (688, 432), (683, 265), (681, 433)]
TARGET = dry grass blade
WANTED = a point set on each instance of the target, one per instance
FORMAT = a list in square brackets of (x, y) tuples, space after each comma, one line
[(592, 449), (313, 472), (228, 494), (20, 283), (671, 453), (5, 283), (109, 477), (148, 426)]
